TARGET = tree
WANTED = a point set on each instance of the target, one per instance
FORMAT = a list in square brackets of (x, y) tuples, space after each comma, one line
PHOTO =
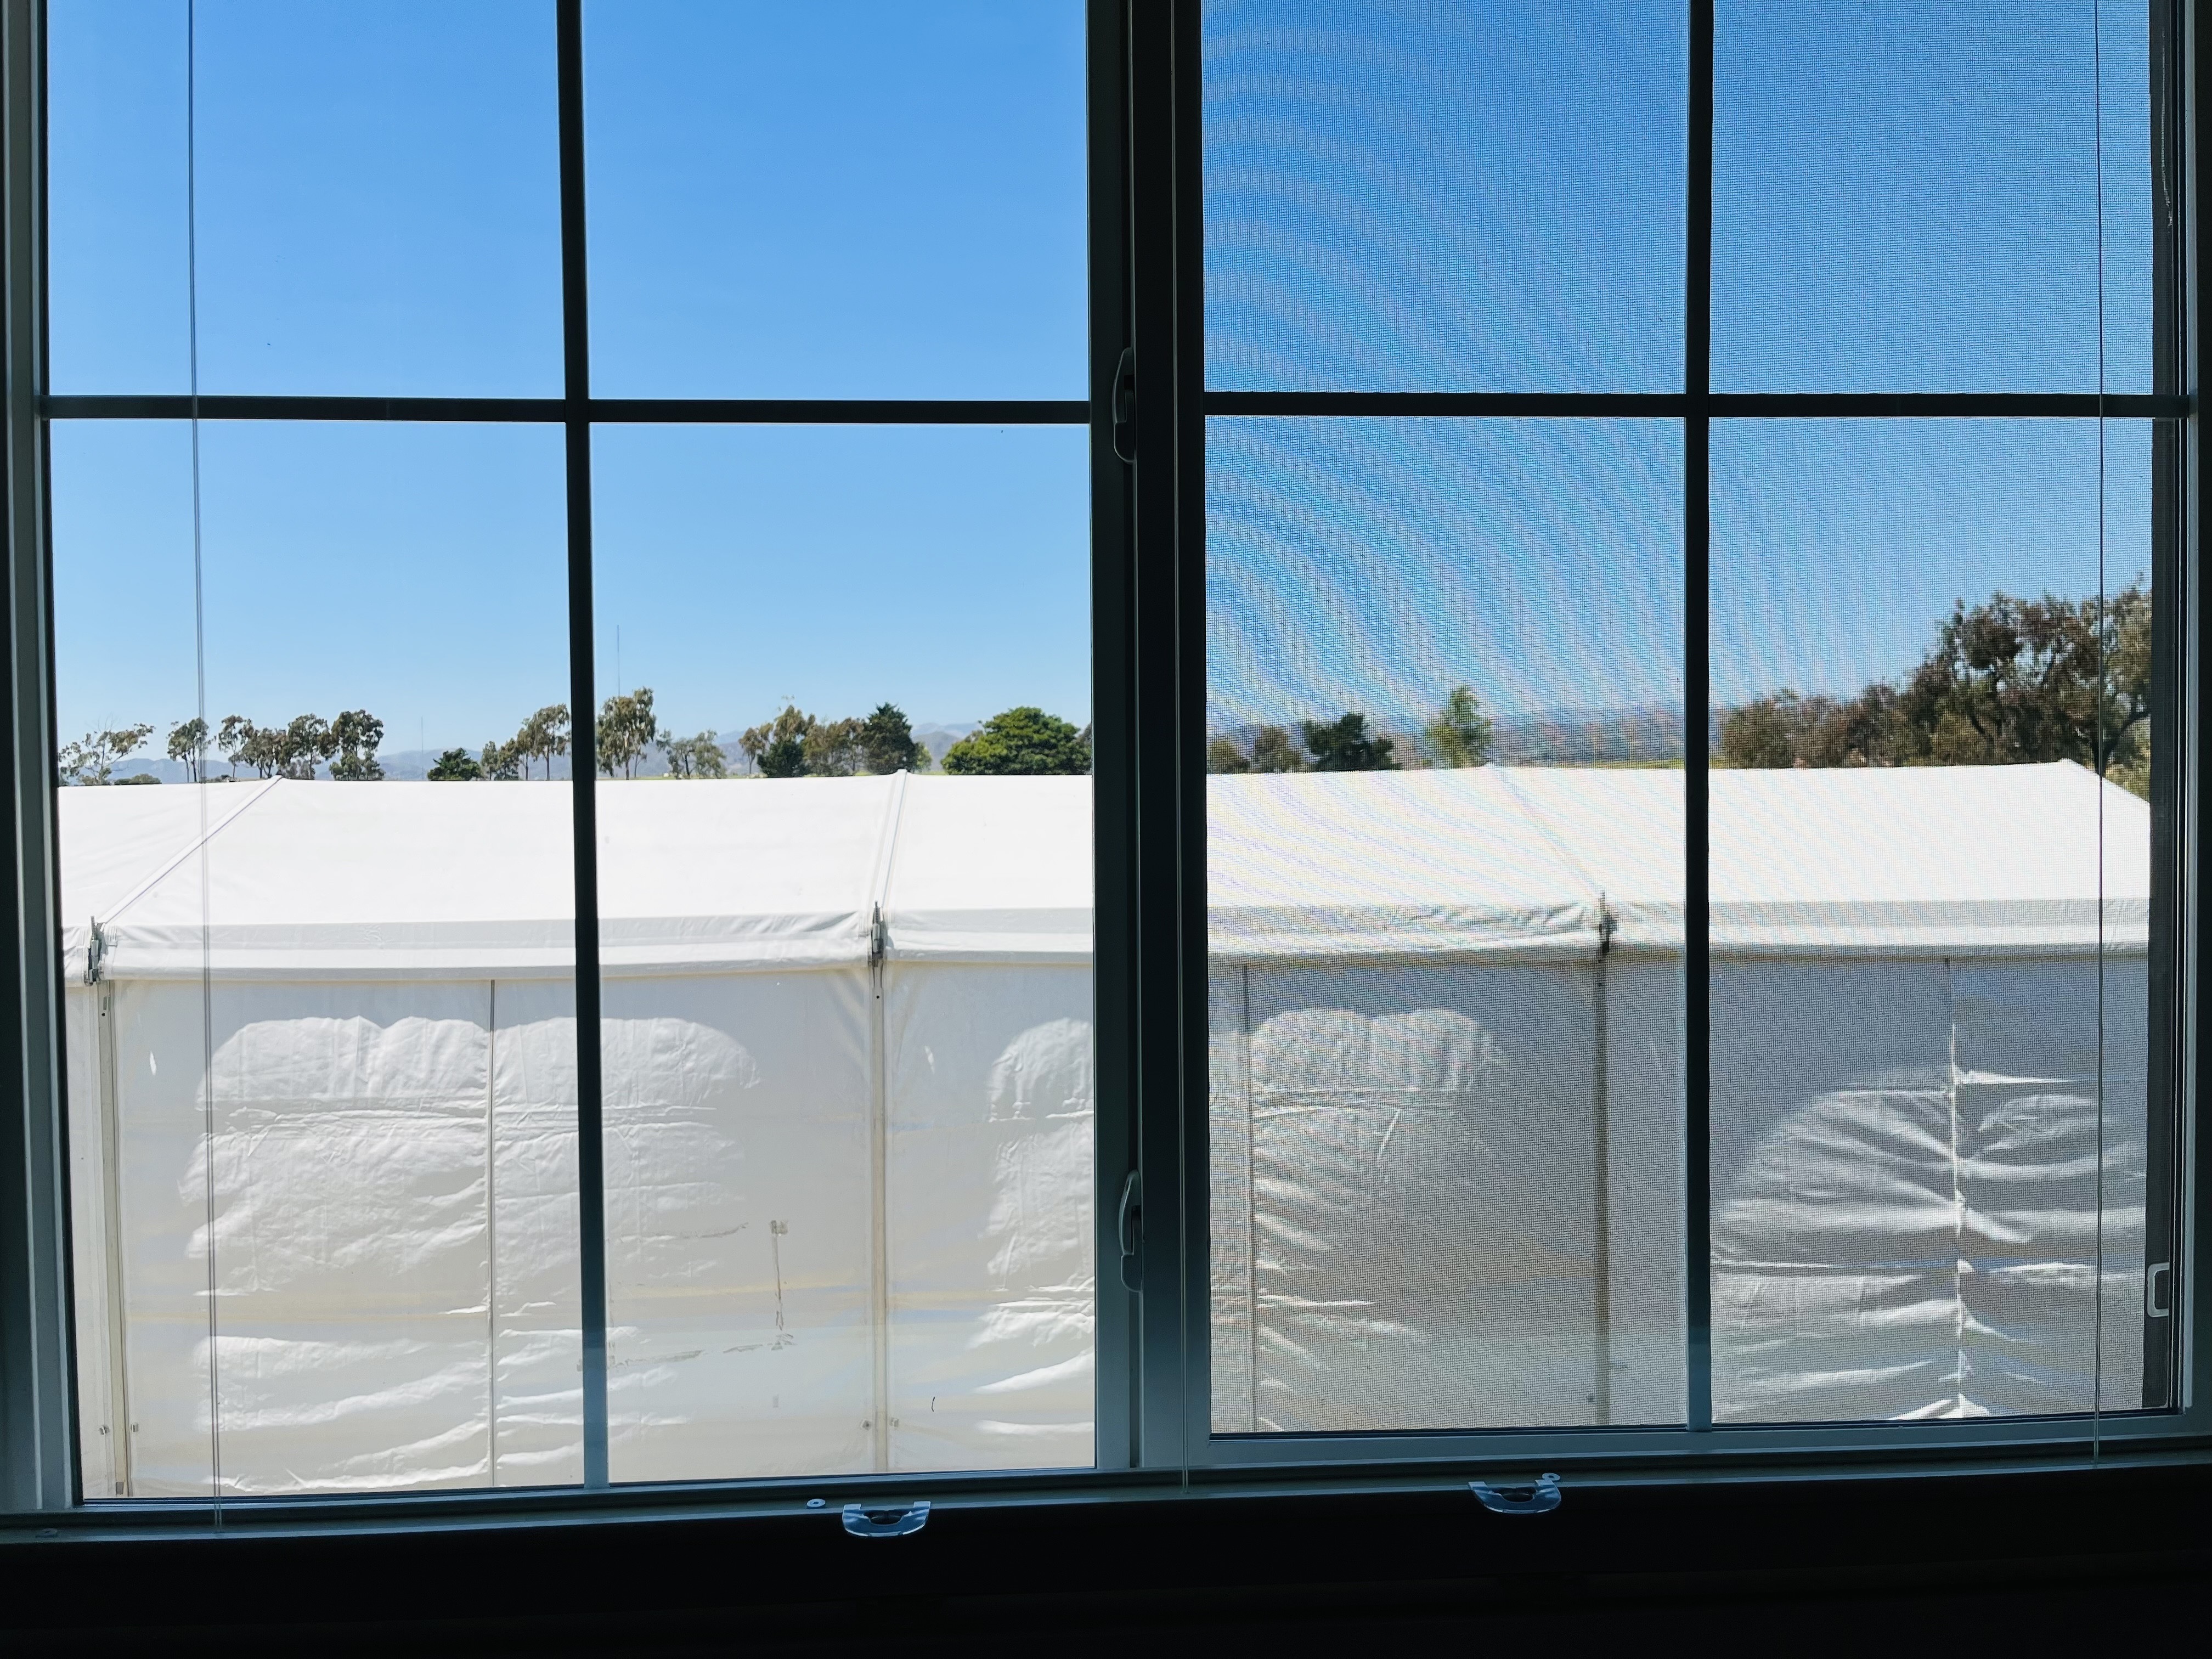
[(1461, 734), (188, 743), (234, 739), (356, 734), (305, 742), (501, 762), (1344, 745), (625, 731), (1021, 741), (887, 741), (263, 750), (832, 748), (778, 748), (1223, 754), (694, 757), (456, 766), (2010, 681), (543, 736), (91, 759)]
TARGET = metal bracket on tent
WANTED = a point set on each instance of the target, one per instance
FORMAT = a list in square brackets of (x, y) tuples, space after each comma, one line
[(1539, 1498), (1133, 1233), (2151, 1309), (95, 954), (896, 1520)]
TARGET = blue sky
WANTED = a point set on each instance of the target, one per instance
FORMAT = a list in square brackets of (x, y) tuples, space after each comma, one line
[(887, 200)]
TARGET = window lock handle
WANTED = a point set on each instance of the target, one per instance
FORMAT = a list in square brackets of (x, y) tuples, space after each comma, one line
[(1124, 405), (1133, 1233), (1539, 1498)]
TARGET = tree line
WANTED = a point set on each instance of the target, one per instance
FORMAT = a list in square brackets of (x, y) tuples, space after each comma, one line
[(1460, 735), (794, 744), (2008, 682)]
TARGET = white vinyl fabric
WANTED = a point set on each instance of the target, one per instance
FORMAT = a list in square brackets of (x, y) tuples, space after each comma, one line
[(321, 1067)]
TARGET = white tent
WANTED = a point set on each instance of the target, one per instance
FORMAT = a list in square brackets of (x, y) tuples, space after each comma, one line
[(847, 1100)]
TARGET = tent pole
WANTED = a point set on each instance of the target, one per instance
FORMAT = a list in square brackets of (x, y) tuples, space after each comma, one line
[(1601, 1152), (1251, 1215), (119, 1425), (879, 1274)]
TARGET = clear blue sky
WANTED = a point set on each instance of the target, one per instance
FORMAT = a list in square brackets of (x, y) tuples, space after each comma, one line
[(837, 199)]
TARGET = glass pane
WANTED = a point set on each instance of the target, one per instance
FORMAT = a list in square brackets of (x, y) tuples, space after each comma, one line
[(119, 312), (1930, 981), (376, 197), (1406, 196), (1444, 889), (320, 1038), (845, 880), (1909, 197), (863, 199)]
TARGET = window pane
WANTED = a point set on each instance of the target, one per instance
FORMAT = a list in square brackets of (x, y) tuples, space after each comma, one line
[(863, 199), (1909, 198), (320, 1034), (846, 980), (1444, 877), (377, 202), (1931, 997), (1476, 198)]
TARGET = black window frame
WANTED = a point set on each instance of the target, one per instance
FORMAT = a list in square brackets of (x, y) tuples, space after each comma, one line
[(1146, 313)]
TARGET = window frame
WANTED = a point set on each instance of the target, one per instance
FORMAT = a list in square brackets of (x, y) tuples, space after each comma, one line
[(1145, 270)]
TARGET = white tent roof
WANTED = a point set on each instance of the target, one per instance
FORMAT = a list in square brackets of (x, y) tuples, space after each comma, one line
[(421, 880)]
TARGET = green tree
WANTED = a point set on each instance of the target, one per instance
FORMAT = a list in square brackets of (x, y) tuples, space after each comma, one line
[(501, 762), (1023, 741), (91, 759), (1461, 734), (1344, 745), (694, 757), (544, 736), (356, 734), (456, 766), (625, 731), (1223, 754), (887, 741), (234, 739), (778, 748), (188, 743), (305, 742)]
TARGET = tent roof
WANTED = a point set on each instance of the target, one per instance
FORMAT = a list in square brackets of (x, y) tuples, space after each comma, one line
[(420, 879)]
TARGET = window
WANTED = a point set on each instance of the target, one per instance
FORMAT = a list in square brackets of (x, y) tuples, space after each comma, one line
[(870, 750)]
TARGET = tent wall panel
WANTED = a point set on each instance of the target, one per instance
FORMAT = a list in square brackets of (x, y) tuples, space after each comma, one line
[(1644, 1170), (739, 1233), (989, 1215)]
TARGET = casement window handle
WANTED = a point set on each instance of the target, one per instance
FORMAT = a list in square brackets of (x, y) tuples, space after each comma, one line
[(1125, 406), (886, 1520), (1539, 1498), (1133, 1233), (2151, 1275)]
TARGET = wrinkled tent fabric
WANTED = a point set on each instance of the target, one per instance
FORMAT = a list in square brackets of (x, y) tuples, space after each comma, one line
[(849, 1190)]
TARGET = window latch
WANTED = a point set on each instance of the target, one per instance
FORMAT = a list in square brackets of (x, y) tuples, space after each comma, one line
[(1133, 1233), (1540, 1498), (2151, 1309), (886, 1520), (1125, 406)]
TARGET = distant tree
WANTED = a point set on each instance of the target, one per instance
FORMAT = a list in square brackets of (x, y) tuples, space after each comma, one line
[(1344, 745), (1025, 740), (2008, 681), (91, 759), (1461, 734), (694, 757), (778, 748), (501, 762), (1223, 754), (887, 741), (456, 766), (833, 749), (139, 777), (544, 736), (1274, 751), (234, 739), (188, 743), (263, 750), (356, 734), (307, 741), (625, 731)]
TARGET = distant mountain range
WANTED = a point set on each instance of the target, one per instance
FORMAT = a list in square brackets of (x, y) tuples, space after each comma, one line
[(1549, 737)]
